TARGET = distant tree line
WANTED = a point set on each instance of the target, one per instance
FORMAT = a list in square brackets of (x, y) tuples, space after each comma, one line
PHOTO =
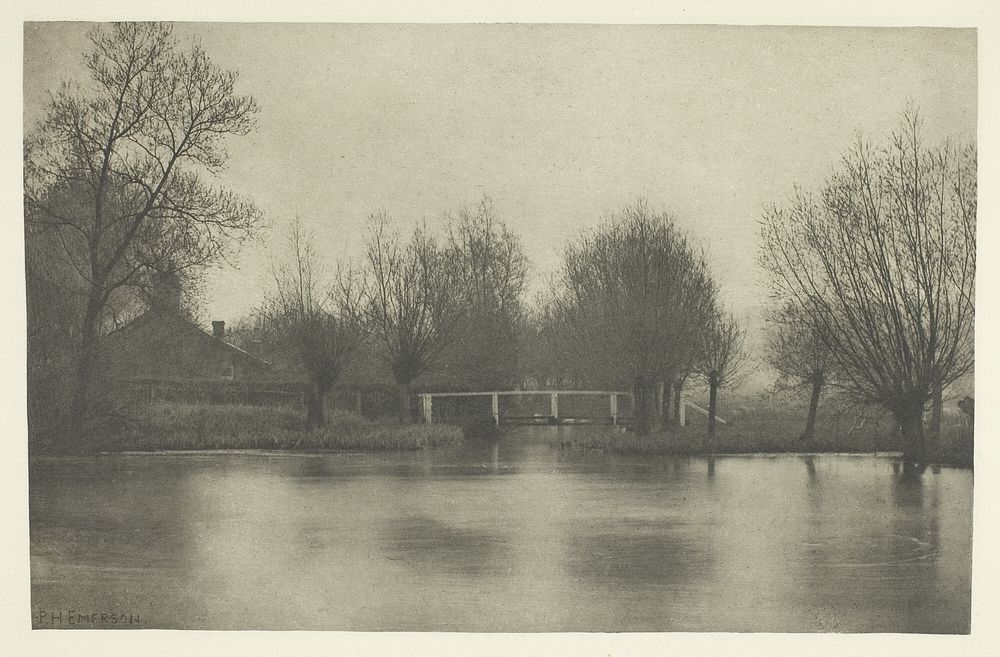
[(635, 308)]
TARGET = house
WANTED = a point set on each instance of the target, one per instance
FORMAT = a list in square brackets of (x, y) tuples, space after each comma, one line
[(164, 354), (166, 346)]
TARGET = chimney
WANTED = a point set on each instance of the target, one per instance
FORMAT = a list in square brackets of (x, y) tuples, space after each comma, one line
[(219, 329), (166, 293)]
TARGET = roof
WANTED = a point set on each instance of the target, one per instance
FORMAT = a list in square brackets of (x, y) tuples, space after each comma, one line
[(160, 316)]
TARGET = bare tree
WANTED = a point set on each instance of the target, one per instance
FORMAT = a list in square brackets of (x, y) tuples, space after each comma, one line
[(631, 290), (490, 273), (883, 261), (720, 362), (697, 301), (797, 351), (547, 350), (680, 378), (315, 315), (409, 304), (116, 168)]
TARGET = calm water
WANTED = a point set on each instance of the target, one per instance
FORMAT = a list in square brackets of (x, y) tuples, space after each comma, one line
[(518, 536)]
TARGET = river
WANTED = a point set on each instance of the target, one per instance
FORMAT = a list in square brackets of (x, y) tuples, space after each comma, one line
[(517, 535)]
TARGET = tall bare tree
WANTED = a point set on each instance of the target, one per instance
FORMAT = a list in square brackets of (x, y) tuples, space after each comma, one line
[(631, 290), (490, 274), (117, 168), (409, 301), (721, 358), (315, 314), (795, 348), (883, 261)]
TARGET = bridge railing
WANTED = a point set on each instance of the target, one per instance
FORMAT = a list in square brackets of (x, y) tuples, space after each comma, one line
[(619, 406), (534, 405)]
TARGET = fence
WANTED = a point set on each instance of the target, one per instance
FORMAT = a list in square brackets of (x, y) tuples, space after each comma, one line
[(212, 392)]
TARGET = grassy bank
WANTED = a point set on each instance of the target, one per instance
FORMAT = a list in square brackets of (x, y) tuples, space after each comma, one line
[(777, 431), (174, 426)]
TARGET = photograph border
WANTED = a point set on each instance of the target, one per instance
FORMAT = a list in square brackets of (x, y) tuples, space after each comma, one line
[(15, 579)]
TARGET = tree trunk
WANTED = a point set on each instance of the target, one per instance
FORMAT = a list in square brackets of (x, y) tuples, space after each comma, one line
[(713, 398), (817, 387), (404, 403), (80, 407), (669, 416), (658, 415), (678, 388), (641, 406), (911, 425), (937, 403)]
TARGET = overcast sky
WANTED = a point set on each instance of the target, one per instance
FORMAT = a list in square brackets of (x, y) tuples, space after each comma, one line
[(557, 124)]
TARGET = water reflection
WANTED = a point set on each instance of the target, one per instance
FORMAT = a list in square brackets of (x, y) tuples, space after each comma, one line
[(908, 489), (435, 547), (318, 467), (515, 535), (632, 553), (810, 468)]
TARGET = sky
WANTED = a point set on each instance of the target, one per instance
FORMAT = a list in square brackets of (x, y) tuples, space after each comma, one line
[(557, 124)]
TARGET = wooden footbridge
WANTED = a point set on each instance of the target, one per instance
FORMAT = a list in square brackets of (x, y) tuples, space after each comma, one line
[(528, 406)]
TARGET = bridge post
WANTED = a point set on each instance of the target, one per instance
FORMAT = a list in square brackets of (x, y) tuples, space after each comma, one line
[(496, 409), (428, 406), (614, 409), (554, 405)]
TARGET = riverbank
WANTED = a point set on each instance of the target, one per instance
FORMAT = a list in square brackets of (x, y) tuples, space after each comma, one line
[(176, 426), (776, 435), (173, 426)]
